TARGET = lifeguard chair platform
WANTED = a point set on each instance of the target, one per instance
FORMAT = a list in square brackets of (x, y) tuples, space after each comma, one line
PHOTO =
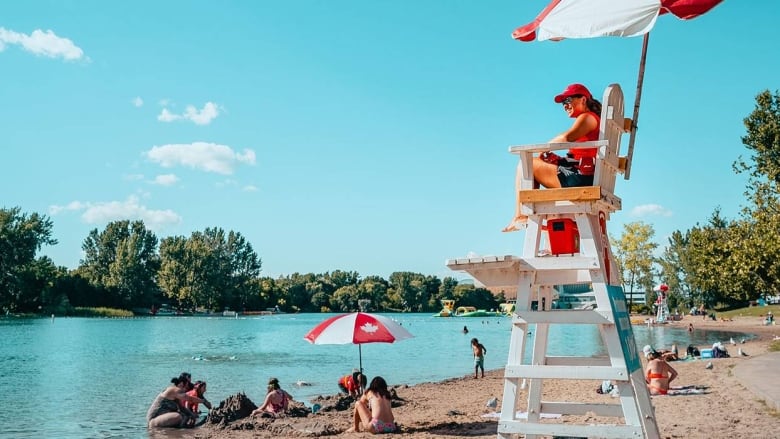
[(575, 219)]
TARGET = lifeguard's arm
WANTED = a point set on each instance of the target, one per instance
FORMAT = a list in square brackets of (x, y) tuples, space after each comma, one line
[(583, 124)]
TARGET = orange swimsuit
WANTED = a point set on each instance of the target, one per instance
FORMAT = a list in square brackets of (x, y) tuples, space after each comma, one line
[(651, 376)]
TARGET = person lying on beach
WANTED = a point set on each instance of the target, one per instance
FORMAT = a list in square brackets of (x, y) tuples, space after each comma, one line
[(666, 355), (373, 411), (165, 410), (658, 374), (277, 401)]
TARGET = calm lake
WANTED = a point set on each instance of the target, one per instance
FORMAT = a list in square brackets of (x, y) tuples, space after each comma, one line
[(95, 378)]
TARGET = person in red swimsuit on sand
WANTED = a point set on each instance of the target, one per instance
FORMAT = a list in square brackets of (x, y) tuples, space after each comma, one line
[(576, 169), (658, 374)]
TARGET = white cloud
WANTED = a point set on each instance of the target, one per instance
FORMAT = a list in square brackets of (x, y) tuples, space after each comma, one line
[(204, 116), (650, 210), (42, 43), (166, 179), (167, 116), (138, 102), (209, 157), (73, 205), (130, 209), (249, 188)]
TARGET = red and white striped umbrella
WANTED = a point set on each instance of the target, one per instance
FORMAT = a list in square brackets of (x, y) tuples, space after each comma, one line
[(357, 328), (598, 18)]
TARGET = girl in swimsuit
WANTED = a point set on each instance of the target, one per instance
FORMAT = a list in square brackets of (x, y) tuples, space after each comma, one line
[(658, 374), (373, 411), (165, 410), (276, 401)]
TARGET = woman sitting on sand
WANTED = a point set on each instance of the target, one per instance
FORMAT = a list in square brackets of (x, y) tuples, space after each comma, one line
[(373, 411), (658, 374), (165, 411), (276, 401)]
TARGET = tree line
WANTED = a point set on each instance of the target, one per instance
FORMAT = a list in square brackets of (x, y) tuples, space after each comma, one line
[(721, 262), (125, 266)]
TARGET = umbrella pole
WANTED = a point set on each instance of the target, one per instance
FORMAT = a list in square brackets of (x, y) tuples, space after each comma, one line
[(638, 98), (360, 350)]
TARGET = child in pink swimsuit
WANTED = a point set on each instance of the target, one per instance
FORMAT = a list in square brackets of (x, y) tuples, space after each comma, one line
[(373, 411)]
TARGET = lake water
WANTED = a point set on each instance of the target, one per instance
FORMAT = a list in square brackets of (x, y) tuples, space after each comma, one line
[(95, 378)]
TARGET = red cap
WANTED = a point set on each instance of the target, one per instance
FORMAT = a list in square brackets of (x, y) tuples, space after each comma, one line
[(573, 90)]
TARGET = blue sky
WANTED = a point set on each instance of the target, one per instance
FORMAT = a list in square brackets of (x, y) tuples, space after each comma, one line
[(357, 135)]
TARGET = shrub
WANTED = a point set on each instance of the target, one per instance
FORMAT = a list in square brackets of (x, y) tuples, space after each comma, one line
[(81, 311)]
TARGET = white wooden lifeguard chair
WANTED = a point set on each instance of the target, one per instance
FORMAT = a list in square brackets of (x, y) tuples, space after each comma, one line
[(586, 258)]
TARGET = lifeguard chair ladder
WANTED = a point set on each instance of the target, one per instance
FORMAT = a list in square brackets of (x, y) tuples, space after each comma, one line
[(535, 274)]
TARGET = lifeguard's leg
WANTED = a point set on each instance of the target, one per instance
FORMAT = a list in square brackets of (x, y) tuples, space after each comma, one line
[(546, 174), (519, 220)]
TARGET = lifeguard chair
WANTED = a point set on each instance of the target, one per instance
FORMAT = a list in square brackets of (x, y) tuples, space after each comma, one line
[(585, 210), (662, 306)]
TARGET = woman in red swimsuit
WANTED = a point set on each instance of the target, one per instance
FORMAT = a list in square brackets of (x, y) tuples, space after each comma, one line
[(576, 169), (658, 374)]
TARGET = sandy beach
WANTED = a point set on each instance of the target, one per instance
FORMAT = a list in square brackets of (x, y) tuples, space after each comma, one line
[(457, 407)]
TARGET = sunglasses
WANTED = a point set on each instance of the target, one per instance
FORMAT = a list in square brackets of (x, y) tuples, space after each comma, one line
[(568, 100)]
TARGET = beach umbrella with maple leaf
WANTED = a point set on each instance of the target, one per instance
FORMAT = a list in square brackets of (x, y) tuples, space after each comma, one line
[(563, 19), (357, 328)]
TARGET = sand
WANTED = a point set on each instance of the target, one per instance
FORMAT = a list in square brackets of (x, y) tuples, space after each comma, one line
[(455, 407)]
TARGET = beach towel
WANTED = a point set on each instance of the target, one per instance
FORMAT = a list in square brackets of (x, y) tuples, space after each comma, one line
[(687, 390)]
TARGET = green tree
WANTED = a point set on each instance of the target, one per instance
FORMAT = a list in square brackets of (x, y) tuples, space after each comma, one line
[(676, 267), (763, 142), (374, 289), (346, 299), (708, 255), (756, 253), (122, 260), (211, 269), (470, 295), (634, 256), (21, 236)]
